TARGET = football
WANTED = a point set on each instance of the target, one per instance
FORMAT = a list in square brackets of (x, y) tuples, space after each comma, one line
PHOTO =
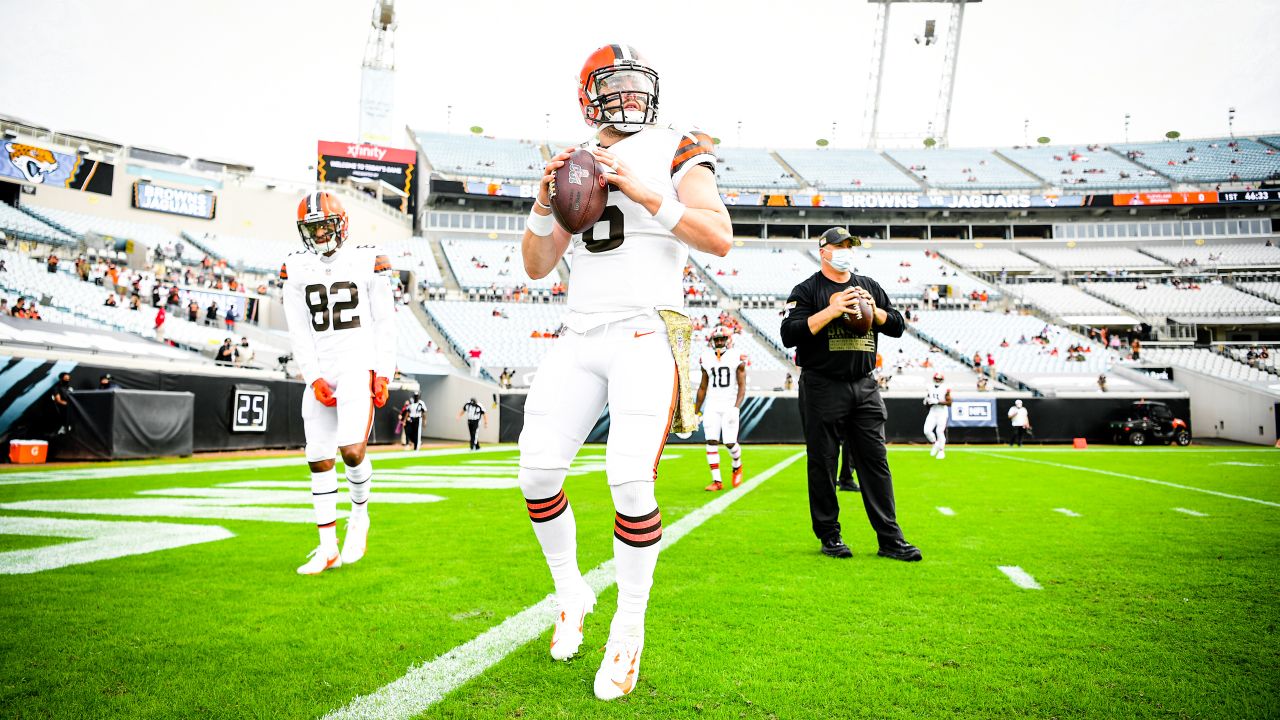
[(578, 192), (860, 323)]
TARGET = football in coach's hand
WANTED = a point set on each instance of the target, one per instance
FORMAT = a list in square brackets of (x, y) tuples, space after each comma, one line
[(859, 322), (578, 192)]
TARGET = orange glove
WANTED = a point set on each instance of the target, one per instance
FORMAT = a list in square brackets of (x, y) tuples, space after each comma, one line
[(324, 393), (380, 391)]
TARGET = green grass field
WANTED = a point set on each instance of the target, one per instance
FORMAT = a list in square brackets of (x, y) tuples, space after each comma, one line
[(1143, 611)]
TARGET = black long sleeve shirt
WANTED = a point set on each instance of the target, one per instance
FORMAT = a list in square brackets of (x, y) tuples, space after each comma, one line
[(835, 351)]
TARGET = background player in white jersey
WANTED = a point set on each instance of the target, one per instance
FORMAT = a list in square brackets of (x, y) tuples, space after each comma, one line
[(724, 384), (938, 398), (337, 300), (627, 273)]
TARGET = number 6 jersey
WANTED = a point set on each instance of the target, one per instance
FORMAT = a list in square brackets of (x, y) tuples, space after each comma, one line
[(340, 312), (627, 263)]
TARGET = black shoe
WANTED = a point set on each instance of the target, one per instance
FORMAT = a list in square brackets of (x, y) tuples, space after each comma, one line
[(901, 550), (850, 487), (835, 547)]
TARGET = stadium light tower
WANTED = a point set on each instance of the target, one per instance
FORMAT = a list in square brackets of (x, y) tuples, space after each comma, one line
[(952, 53), (377, 75)]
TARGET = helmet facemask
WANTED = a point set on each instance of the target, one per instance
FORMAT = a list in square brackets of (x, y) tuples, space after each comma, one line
[(324, 234), (610, 90)]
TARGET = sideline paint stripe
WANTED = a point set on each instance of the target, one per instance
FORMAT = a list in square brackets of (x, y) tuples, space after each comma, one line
[(103, 473), (1192, 513), (946, 511), (1068, 513), (1020, 577), (1139, 478), (426, 684)]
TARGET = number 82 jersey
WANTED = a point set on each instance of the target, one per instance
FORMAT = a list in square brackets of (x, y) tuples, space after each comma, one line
[(340, 312)]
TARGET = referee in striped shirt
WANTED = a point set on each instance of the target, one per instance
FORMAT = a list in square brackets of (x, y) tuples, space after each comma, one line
[(474, 413), (414, 414)]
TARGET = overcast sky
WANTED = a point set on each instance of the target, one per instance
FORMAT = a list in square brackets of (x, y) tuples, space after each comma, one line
[(260, 81)]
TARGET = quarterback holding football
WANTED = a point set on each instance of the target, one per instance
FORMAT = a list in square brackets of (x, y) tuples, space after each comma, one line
[(626, 336)]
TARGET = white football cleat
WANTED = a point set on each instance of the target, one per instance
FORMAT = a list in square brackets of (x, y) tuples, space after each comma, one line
[(319, 560), (933, 451), (941, 454), (571, 615), (620, 668), (357, 539)]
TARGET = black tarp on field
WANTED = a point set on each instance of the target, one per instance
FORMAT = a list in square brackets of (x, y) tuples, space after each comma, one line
[(126, 425)]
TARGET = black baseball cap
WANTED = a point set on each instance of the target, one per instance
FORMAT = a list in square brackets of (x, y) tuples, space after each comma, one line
[(837, 235)]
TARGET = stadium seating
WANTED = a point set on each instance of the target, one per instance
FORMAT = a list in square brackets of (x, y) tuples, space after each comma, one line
[(906, 274), (751, 168), (1062, 300), (151, 235), (848, 170), (1084, 168), (1218, 255), (258, 255), (1268, 290), (416, 352), (969, 332), (1208, 362), (478, 156), (756, 271), (490, 264), (84, 300), (963, 170), (415, 255), (1161, 300), (1272, 140), (989, 259), (1207, 161), (1094, 257), (505, 340), (1270, 363), (19, 225)]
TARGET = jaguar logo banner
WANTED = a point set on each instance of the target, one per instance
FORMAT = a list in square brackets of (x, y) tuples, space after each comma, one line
[(40, 166)]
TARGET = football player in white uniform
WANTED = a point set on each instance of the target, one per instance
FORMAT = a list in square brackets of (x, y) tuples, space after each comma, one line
[(627, 272), (724, 384), (938, 399), (337, 301)]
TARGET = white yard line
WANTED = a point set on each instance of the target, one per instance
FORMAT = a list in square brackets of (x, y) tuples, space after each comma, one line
[(946, 511), (1139, 478), (426, 684), (102, 473), (1192, 513), (1068, 513), (1020, 577)]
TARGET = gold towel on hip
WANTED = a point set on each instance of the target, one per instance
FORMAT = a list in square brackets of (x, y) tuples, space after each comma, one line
[(680, 337)]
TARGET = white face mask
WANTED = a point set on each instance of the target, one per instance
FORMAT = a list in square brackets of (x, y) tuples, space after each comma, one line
[(842, 259)]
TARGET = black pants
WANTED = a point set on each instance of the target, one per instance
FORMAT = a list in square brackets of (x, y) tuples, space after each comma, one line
[(1019, 432), (473, 426), (413, 431), (846, 464), (830, 408)]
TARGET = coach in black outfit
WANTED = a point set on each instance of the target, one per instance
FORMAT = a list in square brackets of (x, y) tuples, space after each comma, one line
[(839, 395)]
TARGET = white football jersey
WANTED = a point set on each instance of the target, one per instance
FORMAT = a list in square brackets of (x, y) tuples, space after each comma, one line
[(722, 376), (340, 311), (935, 395), (628, 264)]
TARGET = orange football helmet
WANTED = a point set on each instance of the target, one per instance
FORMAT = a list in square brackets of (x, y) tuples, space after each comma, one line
[(720, 337), (322, 222), (613, 77)]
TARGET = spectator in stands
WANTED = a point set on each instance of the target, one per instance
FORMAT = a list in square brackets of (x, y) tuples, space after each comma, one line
[(135, 302), (788, 382), (19, 308), (1102, 382), (211, 314), (244, 353), (160, 318), (193, 311), (52, 263), (231, 318), (156, 294), (111, 301), (982, 383), (1135, 349), (977, 361), (2, 267), (473, 357), (226, 353), (106, 382), (4, 306)]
